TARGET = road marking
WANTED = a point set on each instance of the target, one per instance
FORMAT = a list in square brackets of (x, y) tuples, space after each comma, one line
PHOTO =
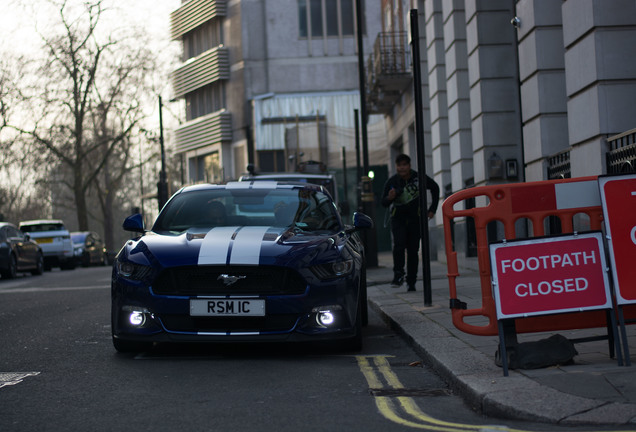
[(381, 372), (13, 378), (49, 289)]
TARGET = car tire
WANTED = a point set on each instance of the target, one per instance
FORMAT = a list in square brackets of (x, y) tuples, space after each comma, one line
[(126, 347), (355, 343), (39, 267), (12, 268), (69, 265)]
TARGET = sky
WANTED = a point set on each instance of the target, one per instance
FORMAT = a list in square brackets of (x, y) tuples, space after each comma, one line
[(19, 19), (18, 30)]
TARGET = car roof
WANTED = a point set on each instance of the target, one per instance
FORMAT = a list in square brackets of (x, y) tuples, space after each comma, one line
[(256, 185), (42, 221), (282, 175)]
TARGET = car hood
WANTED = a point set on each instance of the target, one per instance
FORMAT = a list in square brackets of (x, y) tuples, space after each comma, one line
[(248, 245)]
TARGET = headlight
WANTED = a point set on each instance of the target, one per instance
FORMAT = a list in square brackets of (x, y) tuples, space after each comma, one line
[(131, 270), (333, 269)]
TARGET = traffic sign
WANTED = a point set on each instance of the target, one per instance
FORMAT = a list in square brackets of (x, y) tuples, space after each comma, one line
[(550, 275), (618, 198)]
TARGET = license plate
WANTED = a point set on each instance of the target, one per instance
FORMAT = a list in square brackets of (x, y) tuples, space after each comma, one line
[(44, 240), (227, 307)]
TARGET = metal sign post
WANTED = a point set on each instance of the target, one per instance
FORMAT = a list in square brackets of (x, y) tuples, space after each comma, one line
[(618, 198), (421, 160)]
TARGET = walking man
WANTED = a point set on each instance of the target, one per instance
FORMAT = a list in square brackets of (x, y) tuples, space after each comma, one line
[(401, 195)]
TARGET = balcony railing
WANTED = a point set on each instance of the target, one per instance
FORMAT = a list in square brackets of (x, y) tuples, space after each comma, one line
[(621, 153), (389, 71), (206, 68), (559, 166), (193, 13), (204, 131)]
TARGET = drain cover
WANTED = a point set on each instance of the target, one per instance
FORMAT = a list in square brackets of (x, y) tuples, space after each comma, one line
[(12, 378)]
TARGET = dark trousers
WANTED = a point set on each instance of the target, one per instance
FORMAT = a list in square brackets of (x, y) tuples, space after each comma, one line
[(406, 238)]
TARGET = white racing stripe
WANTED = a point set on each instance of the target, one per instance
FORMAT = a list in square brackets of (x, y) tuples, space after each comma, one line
[(246, 248), (215, 245), (242, 244)]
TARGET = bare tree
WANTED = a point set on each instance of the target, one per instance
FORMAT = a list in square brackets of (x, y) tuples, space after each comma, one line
[(86, 99), (21, 195)]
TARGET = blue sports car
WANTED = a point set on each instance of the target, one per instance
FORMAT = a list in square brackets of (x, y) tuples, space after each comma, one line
[(244, 261)]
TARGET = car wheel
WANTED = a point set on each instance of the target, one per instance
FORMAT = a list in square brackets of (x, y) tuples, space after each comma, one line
[(69, 265), (355, 343), (12, 269), (124, 346), (39, 267)]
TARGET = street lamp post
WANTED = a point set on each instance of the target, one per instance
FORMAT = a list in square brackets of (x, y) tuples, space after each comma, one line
[(421, 156), (162, 184), (368, 205)]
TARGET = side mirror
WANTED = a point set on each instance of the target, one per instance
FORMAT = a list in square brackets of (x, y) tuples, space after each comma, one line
[(134, 223), (360, 221)]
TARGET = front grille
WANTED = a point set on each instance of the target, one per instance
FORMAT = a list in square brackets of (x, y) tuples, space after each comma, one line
[(207, 280), (271, 323)]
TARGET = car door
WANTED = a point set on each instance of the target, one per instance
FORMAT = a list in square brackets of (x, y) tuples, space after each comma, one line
[(25, 254)]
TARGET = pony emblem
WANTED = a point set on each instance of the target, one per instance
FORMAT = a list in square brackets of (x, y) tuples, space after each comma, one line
[(229, 279)]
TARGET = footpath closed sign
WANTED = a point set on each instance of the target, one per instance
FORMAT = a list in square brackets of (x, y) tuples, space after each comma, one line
[(550, 275), (618, 197)]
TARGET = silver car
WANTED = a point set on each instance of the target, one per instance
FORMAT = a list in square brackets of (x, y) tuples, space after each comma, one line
[(55, 241)]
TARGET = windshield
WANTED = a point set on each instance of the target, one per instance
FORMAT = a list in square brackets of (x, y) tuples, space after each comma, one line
[(78, 238), (42, 227), (304, 209)]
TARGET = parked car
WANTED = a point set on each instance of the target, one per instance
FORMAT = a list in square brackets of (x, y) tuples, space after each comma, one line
[(245, 261), (89, 249), (18, 253), (55, 241)]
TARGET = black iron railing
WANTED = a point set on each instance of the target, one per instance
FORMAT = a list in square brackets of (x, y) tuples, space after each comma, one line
[(389, 71), (621, 153), (559, 166)]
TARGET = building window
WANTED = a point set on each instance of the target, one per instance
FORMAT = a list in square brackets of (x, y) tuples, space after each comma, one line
[(205, 100), (271, 160), (206, 168), (202, 39), (335, 17)]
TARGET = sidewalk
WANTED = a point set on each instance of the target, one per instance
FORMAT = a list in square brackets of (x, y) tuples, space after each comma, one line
[(593, 390)]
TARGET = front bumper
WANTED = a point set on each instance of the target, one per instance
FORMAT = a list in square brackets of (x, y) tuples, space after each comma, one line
[(289, 318)]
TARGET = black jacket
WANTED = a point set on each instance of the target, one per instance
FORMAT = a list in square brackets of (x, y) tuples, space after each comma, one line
[(406, 203)]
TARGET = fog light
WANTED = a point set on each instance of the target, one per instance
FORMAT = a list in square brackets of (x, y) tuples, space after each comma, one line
[(326, 315), (137, 318), (137, 315), (325, 318)]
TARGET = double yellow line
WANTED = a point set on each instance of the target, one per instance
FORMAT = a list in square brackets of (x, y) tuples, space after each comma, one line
[(394, 408)]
